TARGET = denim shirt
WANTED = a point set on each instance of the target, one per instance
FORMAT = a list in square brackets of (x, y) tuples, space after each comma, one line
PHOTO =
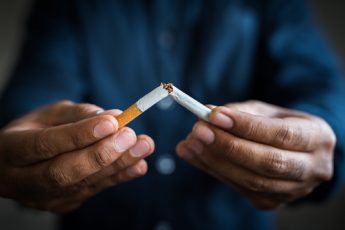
[(111, 53)]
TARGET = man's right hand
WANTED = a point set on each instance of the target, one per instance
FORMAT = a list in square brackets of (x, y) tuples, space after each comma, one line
[(60, 155)]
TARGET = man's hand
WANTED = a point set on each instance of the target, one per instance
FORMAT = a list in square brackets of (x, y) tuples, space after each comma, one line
[(269, 154), (58, 156)]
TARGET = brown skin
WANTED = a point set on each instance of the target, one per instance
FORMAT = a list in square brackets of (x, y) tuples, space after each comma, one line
[(55, 158), (269, 154)]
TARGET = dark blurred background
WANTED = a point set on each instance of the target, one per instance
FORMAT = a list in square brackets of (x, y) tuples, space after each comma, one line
[(328, 215)]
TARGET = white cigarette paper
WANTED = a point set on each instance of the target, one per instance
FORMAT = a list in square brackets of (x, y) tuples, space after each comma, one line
[(190, 103), (151, 98)]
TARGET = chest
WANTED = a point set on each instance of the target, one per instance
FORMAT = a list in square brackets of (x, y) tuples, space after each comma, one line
[(206, 49)]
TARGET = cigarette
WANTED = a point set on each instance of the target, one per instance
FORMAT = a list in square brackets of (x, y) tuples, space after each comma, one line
[(143, 104), (190, 103), (156, 95)]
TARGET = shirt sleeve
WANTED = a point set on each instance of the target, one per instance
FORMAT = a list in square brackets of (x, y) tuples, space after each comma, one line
[(303, 74), (49, 67)]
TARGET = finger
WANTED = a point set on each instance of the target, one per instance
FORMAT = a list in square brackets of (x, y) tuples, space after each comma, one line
[(211, 106), (257, 108), (137, 170), (83, 192), (31, 146), (76, 195), (263, 197), (264, 109), (71, 168), (259, 158), (233, 174), (288, 133), (112, 112), (185, 152), (53, 115), (142, 148), (67, 112)]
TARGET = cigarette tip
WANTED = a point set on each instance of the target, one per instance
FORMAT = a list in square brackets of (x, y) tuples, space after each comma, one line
[(168, 87)]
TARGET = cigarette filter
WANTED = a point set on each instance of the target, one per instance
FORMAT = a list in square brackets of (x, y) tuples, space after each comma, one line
[(142, 105)]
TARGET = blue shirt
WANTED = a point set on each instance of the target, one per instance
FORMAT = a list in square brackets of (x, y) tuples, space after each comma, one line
[(110, 53)]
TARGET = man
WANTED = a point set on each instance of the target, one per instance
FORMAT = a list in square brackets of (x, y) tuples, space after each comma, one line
[(109, 53)]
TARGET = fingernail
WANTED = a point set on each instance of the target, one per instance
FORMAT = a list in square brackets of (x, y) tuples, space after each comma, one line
[(196, 146), (139, 149), (222, 120), (205, 134), (103, 129), (124, 140)]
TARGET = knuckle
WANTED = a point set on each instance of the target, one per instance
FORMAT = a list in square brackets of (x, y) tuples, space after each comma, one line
[(254, 106), (274, 163), (286, 135), (102, 156), (329, 138), (86, 191), (119, 179), (58, 177), (251, 130), (86, 109), (252, 102), (79, 139), (115, 180), (64, 103), (109, 181), (79, 189), (82, 184), (327, 176), (58, 106), (57, 109), (42, 144), (296, 169), (230, 146), (119, 164), (231, 149), (258, 185), (332, 137), (326, 172)]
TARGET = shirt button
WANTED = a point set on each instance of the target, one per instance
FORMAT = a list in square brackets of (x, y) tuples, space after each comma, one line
[(162, 225), (166, 39), (165, 164), (166, 103)]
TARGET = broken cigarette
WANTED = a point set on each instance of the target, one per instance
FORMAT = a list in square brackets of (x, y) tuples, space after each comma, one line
[(190, 103), (157, 95)]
